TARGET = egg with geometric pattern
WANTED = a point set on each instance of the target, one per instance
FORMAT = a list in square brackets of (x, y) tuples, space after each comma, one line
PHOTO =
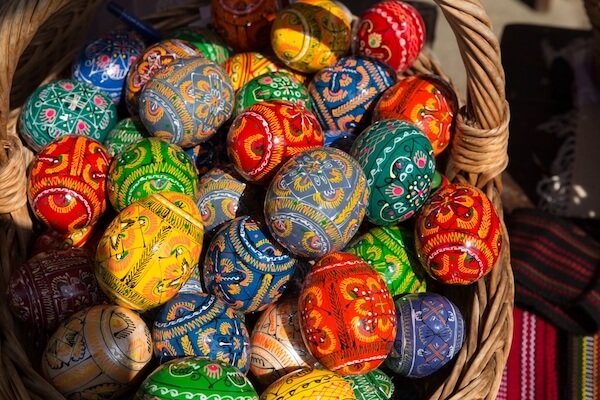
[(374, 385), (309, 383)]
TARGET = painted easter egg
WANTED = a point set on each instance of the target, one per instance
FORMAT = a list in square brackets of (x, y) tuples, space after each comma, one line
[(54, 240), (150, 165), (389, 250), (244, 24), (124, 133), (309, 383), (339, 139), (425, 100), (276, 343), (210, 154), (99, 352), (278, 85), (431, 331), (66, 107), (186, 101), (194, 283), (243, 67), (198, 377), (154, 58), (398, 160), (391, 31), (149, 250), (51, 286), (308, 37), (209, 43), (200, 324), (269, 133), (343, 95), (105, 61), (374, 385), (316, 202), (245, 267), (347, 315), (458, 234), (66, 185)]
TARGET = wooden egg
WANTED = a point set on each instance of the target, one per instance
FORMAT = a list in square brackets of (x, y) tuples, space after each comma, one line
[(276, 343), (186, 101), (126, 131), (374, 385), (154, 58), (339, 139), (316, 202), (398, 160), (431, 332), (105, 61), (198, 377), (343, 95), (66, 186), (391, 31), (310, 36), (54, 240), (149, 250), (209, 43), (427, 101), (390, 251), (267, 134), (309, 383), (150, 165), (51, 286), (243, 67), (66, 107), (347, 315), (245, 267), (210, 154), (99, 352), (458, 234), (200, 324)]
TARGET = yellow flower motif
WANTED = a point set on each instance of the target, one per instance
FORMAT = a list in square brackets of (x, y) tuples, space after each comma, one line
[(374, 39)]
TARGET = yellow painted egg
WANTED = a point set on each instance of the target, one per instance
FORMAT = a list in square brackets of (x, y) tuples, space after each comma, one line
[(309, 384)]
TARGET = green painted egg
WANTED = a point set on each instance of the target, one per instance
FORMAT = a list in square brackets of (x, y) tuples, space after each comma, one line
[(196, 378), (126, 132), (66, 107), (374, 385), (150, 165), (211, 45), (389, 250)]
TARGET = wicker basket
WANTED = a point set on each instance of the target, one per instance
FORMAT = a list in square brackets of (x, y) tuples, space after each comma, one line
[(33, 37)]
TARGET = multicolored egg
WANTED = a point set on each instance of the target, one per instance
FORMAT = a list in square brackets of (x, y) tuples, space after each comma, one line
[(308, 37), (125, 132), (276, 343), (150, 165), (199, 377), (374, 385), (244, 24), (201, 325), (51, 286), (316, 202), (425, 100), (269, 133), (389, 250), (186, 101), (50, 239), (99, 352), (210, 154), (431, 331), (398, 160), (154, 58), (66, 107), (149, 250), (278, 85), (210, 44), (105, 61), (458, 234), (343, 95), (245, 267), (243, 67), (347, 315), (309, 383), (66, 185), (391, 31)]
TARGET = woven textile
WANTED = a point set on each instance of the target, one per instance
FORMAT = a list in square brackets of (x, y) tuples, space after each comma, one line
[(584, 367)]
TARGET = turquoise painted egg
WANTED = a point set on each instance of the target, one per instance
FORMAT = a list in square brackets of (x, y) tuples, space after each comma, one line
[(66, 107), (125, 132), (196, 377), (398, 160), (374, 385)]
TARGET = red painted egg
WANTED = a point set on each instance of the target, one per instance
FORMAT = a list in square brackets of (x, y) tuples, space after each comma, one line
[(347, 314), (458, 234), (391, 31), (427, 101), (269, 133), (67, 183)]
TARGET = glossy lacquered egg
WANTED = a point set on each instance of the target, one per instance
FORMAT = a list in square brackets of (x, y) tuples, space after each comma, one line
[(309, 383), (210, 44), (125, 132), (374, 385)]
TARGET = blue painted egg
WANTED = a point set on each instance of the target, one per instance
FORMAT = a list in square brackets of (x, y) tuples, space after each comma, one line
[(339, 139), (398, 160), (245, 267), (105, 61), (201, 325), (343, 95), (316, 202), (431, 331)]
